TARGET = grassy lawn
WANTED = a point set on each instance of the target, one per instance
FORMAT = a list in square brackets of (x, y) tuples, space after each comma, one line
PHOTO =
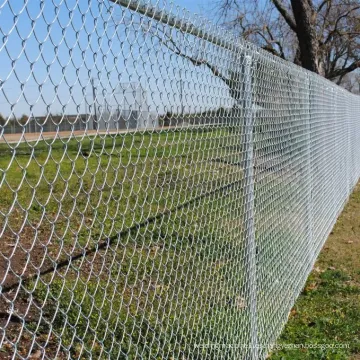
[(130, 246), (328, 310), (148, 172)]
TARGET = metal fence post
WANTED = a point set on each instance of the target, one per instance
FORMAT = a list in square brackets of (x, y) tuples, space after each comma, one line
[(249, 207), (349, 162), (335, 152), (309, 200)]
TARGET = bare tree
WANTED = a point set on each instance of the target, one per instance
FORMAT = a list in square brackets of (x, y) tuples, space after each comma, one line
[(320, 35), (195, 51)]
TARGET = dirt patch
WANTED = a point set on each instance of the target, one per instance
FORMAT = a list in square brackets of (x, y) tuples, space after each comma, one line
[(27, 259), (19, 316), (25, 255)]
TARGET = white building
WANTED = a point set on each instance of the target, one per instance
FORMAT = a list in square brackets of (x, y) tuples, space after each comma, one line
[(125, 109)]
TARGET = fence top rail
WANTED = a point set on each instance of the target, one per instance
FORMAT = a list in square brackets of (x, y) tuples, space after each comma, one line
[(183, 24), (203, 28)]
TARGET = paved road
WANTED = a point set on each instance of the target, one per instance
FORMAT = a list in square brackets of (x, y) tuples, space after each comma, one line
[(29, 137)]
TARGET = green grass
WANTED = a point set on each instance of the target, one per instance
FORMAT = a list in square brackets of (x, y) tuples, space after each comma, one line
[(328, 310), (161, 286), (124, 180), (173, 273), (154, 301)]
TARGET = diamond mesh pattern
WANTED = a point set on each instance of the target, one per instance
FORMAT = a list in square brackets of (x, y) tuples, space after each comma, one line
[(166, 187)]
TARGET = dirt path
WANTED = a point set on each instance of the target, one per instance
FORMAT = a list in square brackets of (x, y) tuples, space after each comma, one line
[(15, 138)]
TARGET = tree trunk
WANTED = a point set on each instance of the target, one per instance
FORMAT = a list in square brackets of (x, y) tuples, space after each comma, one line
[(306, 34)]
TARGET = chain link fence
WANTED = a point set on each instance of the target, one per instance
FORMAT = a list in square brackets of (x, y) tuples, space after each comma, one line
[(186, 232)]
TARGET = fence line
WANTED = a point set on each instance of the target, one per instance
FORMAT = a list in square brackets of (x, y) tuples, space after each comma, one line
[(184, 220)]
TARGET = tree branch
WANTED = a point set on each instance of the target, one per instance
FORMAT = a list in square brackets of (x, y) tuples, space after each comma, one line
[(325, 2), (281, 54), (342, 16), (340, 79), (343, 71), (284, 13), (170, 44)]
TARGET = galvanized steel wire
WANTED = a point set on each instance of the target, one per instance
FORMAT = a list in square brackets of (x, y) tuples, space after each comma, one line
[(166, 187)]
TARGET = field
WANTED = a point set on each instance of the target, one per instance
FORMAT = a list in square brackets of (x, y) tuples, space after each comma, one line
[(123, 246), (328, 310)]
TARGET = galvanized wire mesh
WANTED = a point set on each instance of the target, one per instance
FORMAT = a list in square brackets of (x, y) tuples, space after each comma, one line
[(166, 187)]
